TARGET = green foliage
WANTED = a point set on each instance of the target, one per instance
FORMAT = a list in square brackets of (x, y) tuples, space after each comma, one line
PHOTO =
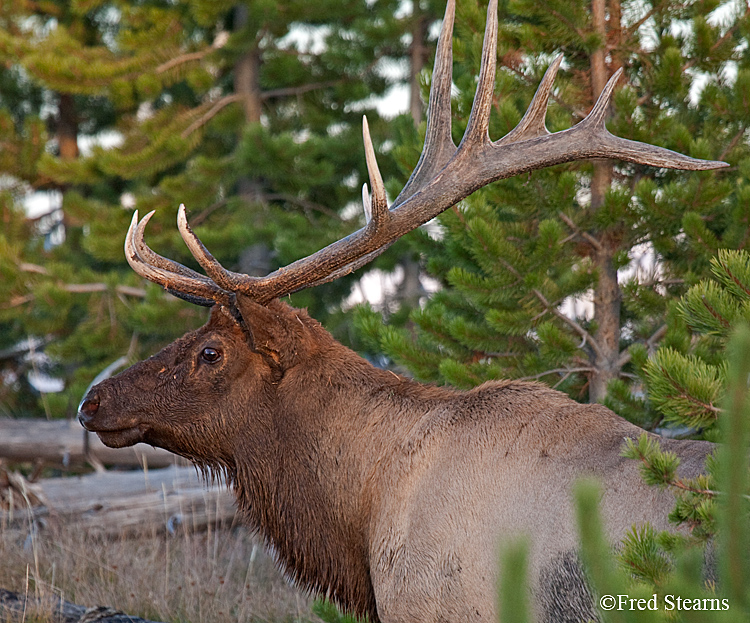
[(513, 587), (328, 612), (264, 186), (684, 388), (643, 555), (733, 476), (695, 497), (686, 378), (659, 468), (523, 263), (700, 385)]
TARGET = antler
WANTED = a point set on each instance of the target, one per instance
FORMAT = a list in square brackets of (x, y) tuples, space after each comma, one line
[(444, 175)]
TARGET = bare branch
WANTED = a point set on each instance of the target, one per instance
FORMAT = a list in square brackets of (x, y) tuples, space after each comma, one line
[(213, 111), (299, 90), (180, 60), (587, 337), (566, 371), (219, 42), (79, 288), (582, 234), (651, 342)]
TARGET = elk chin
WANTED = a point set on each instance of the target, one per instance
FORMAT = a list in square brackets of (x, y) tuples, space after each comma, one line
[(122, 438)]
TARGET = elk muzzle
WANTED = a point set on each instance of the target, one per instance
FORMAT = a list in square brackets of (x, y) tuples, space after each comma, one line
[(113, 431)]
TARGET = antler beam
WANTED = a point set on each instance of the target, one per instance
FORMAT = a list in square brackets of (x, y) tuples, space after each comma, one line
[(444, 175)]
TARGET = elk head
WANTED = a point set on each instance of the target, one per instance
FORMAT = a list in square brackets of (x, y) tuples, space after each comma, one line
[(185, 392), (183, 397)]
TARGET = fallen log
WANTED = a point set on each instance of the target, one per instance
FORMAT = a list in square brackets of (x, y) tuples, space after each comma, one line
[(17, 608), (63, 443), (122, 503)]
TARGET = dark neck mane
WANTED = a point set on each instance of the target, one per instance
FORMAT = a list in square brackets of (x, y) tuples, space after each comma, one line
[(303, 487), (304, 479)]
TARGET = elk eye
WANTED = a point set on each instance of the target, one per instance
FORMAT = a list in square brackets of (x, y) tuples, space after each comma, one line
[(210, 355)]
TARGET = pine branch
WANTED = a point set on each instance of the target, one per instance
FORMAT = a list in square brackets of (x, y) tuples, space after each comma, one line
[(685, 395), (585, 335), (732, 144), (648, 95), (721, 40), (650, 344), (682, 484), (218, 106), (733, 277), (630, 30), (577, 231), (579, 113), (299, 90), (722, 321)]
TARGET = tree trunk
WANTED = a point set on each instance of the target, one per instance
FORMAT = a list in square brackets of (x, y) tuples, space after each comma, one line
[(17, 608), (124, 503), (607, 295), (247, 83), (247, 72), (67, 127), (64, 444)]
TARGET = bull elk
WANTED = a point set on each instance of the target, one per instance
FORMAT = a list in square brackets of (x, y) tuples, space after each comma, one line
[(387, 495)]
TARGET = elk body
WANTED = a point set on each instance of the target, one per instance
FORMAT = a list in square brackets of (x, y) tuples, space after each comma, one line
[(390, 496)]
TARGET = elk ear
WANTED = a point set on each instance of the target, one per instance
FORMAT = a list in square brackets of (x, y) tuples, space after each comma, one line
[(272, 331)]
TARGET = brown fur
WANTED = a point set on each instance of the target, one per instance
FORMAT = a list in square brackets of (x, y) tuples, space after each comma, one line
[(390, 496)]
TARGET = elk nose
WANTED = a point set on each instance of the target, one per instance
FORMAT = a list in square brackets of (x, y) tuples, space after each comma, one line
[(88, 408)]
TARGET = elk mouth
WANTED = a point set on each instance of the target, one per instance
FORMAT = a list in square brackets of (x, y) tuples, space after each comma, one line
[(93, 420), (120, 438)]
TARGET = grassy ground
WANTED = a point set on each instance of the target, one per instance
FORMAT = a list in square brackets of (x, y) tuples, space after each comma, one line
[(222, 575)]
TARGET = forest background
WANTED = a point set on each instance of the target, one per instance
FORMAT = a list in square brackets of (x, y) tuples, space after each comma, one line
[(250, 114), (613, 282)]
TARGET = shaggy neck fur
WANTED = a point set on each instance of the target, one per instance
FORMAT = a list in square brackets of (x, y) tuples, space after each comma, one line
[(311, 495)]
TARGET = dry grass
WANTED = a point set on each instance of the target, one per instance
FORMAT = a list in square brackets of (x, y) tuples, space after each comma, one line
[(222, 575)]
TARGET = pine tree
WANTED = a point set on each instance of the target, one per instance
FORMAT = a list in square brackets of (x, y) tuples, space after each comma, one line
[(249, 113), (686, 382), (515, 260)]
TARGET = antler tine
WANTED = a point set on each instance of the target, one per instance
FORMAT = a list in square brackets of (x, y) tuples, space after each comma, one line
[(532, 124), (603, 144), (379, 203), (477, 129), (225, 279), (598, 114), (194, 289), (438, 143), (154, 259), (366, 202)]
